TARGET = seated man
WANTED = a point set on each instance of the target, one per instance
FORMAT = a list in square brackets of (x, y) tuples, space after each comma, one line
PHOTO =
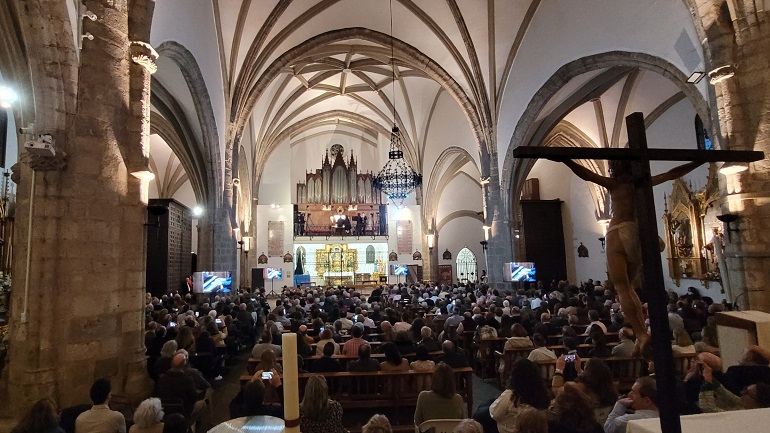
[(642, 399), (176, 384), (100, 419), (326, 363), (427, 340), (452, 357), (754, 368), (267, 343), (541, 352), (351, 346), (364, 362), (626, 346), (715, 398)]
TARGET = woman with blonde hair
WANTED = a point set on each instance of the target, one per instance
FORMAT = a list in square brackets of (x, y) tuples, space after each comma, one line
[(682, 342), (317, 412), (267, 362), (378, 423), (148, 417)]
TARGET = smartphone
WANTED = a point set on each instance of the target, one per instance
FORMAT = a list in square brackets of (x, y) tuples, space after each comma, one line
[(218, 321), (197, 314), (570, 357), (267, 375), (322, 330), (171, 324)]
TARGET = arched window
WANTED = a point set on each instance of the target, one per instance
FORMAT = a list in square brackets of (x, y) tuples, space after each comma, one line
[(702, 135), (370, 254), (466, 266)]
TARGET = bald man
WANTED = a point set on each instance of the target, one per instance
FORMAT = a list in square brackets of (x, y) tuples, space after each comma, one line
[(177, 384)]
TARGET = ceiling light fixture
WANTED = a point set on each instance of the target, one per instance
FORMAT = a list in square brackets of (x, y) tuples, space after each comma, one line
[(695, 77), (396, 179)]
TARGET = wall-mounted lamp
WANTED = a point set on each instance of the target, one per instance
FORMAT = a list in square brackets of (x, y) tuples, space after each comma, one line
[(7, 97), (197, 211), (727, 219), (484, 245), (603, 240), (604, 223), (486, 231), (246, 244), (733, 168), (431, 241), (484, 180)]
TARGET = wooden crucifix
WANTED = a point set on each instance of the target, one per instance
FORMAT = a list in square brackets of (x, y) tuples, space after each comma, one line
[(638, 195)]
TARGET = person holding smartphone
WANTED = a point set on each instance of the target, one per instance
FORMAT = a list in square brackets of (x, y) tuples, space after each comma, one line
[(250, 401)]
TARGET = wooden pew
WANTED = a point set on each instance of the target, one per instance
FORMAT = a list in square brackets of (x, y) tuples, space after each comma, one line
[(344, 360), (383, 389)]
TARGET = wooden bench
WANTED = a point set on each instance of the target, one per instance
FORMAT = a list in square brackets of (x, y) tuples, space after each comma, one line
[(508, 357), (384, 389), (625, 371), (344, 360)]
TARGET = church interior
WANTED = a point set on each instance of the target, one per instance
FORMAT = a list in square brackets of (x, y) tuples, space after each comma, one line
[(257, 140)]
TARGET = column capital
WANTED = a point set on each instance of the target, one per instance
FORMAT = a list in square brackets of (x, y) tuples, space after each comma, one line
[(143, 54)]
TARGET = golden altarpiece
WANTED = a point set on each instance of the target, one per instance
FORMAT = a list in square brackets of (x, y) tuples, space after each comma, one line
[(690, 240)]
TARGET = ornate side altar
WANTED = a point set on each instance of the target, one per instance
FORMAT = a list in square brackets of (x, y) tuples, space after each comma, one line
[(690, 242)]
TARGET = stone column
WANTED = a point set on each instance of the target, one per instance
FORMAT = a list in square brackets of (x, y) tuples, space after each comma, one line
[(742, 89), (86, 288), (499, 248)]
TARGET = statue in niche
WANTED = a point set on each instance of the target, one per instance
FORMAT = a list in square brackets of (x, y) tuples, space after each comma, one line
[(582, 250)]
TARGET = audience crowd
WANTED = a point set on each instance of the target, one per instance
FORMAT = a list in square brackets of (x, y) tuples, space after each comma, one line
[(421, 328)]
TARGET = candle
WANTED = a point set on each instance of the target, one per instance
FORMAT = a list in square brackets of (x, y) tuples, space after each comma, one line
[(290, 383)]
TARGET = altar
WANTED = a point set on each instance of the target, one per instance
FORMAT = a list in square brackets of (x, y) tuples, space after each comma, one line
[(744, 421), (346, 264)]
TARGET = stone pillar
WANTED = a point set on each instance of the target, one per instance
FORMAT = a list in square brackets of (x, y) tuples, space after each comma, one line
[(499, 248), (82, 317), (741, 84)]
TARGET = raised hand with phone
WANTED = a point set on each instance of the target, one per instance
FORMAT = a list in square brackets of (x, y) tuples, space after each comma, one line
[(271, 376)]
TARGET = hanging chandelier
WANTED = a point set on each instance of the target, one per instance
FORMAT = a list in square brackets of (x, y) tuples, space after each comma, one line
[(396, 179)]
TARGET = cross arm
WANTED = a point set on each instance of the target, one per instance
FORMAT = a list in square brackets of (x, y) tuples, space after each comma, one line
[(564, 153)]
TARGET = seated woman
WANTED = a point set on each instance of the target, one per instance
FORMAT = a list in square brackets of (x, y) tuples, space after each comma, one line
[(442, 402), (520, 338), (423, 363), (682, 342), (573, 413), (251, 398), (317, 412), (148, 417), (525, 390), (267, 362), (393, 360)]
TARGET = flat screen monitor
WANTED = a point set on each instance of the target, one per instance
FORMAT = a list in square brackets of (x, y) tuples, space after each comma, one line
[(212, 282), (273, 273), (400, 270), (523, 271)]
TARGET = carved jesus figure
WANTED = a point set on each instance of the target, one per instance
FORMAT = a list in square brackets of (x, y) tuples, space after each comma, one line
[(624, 255)]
